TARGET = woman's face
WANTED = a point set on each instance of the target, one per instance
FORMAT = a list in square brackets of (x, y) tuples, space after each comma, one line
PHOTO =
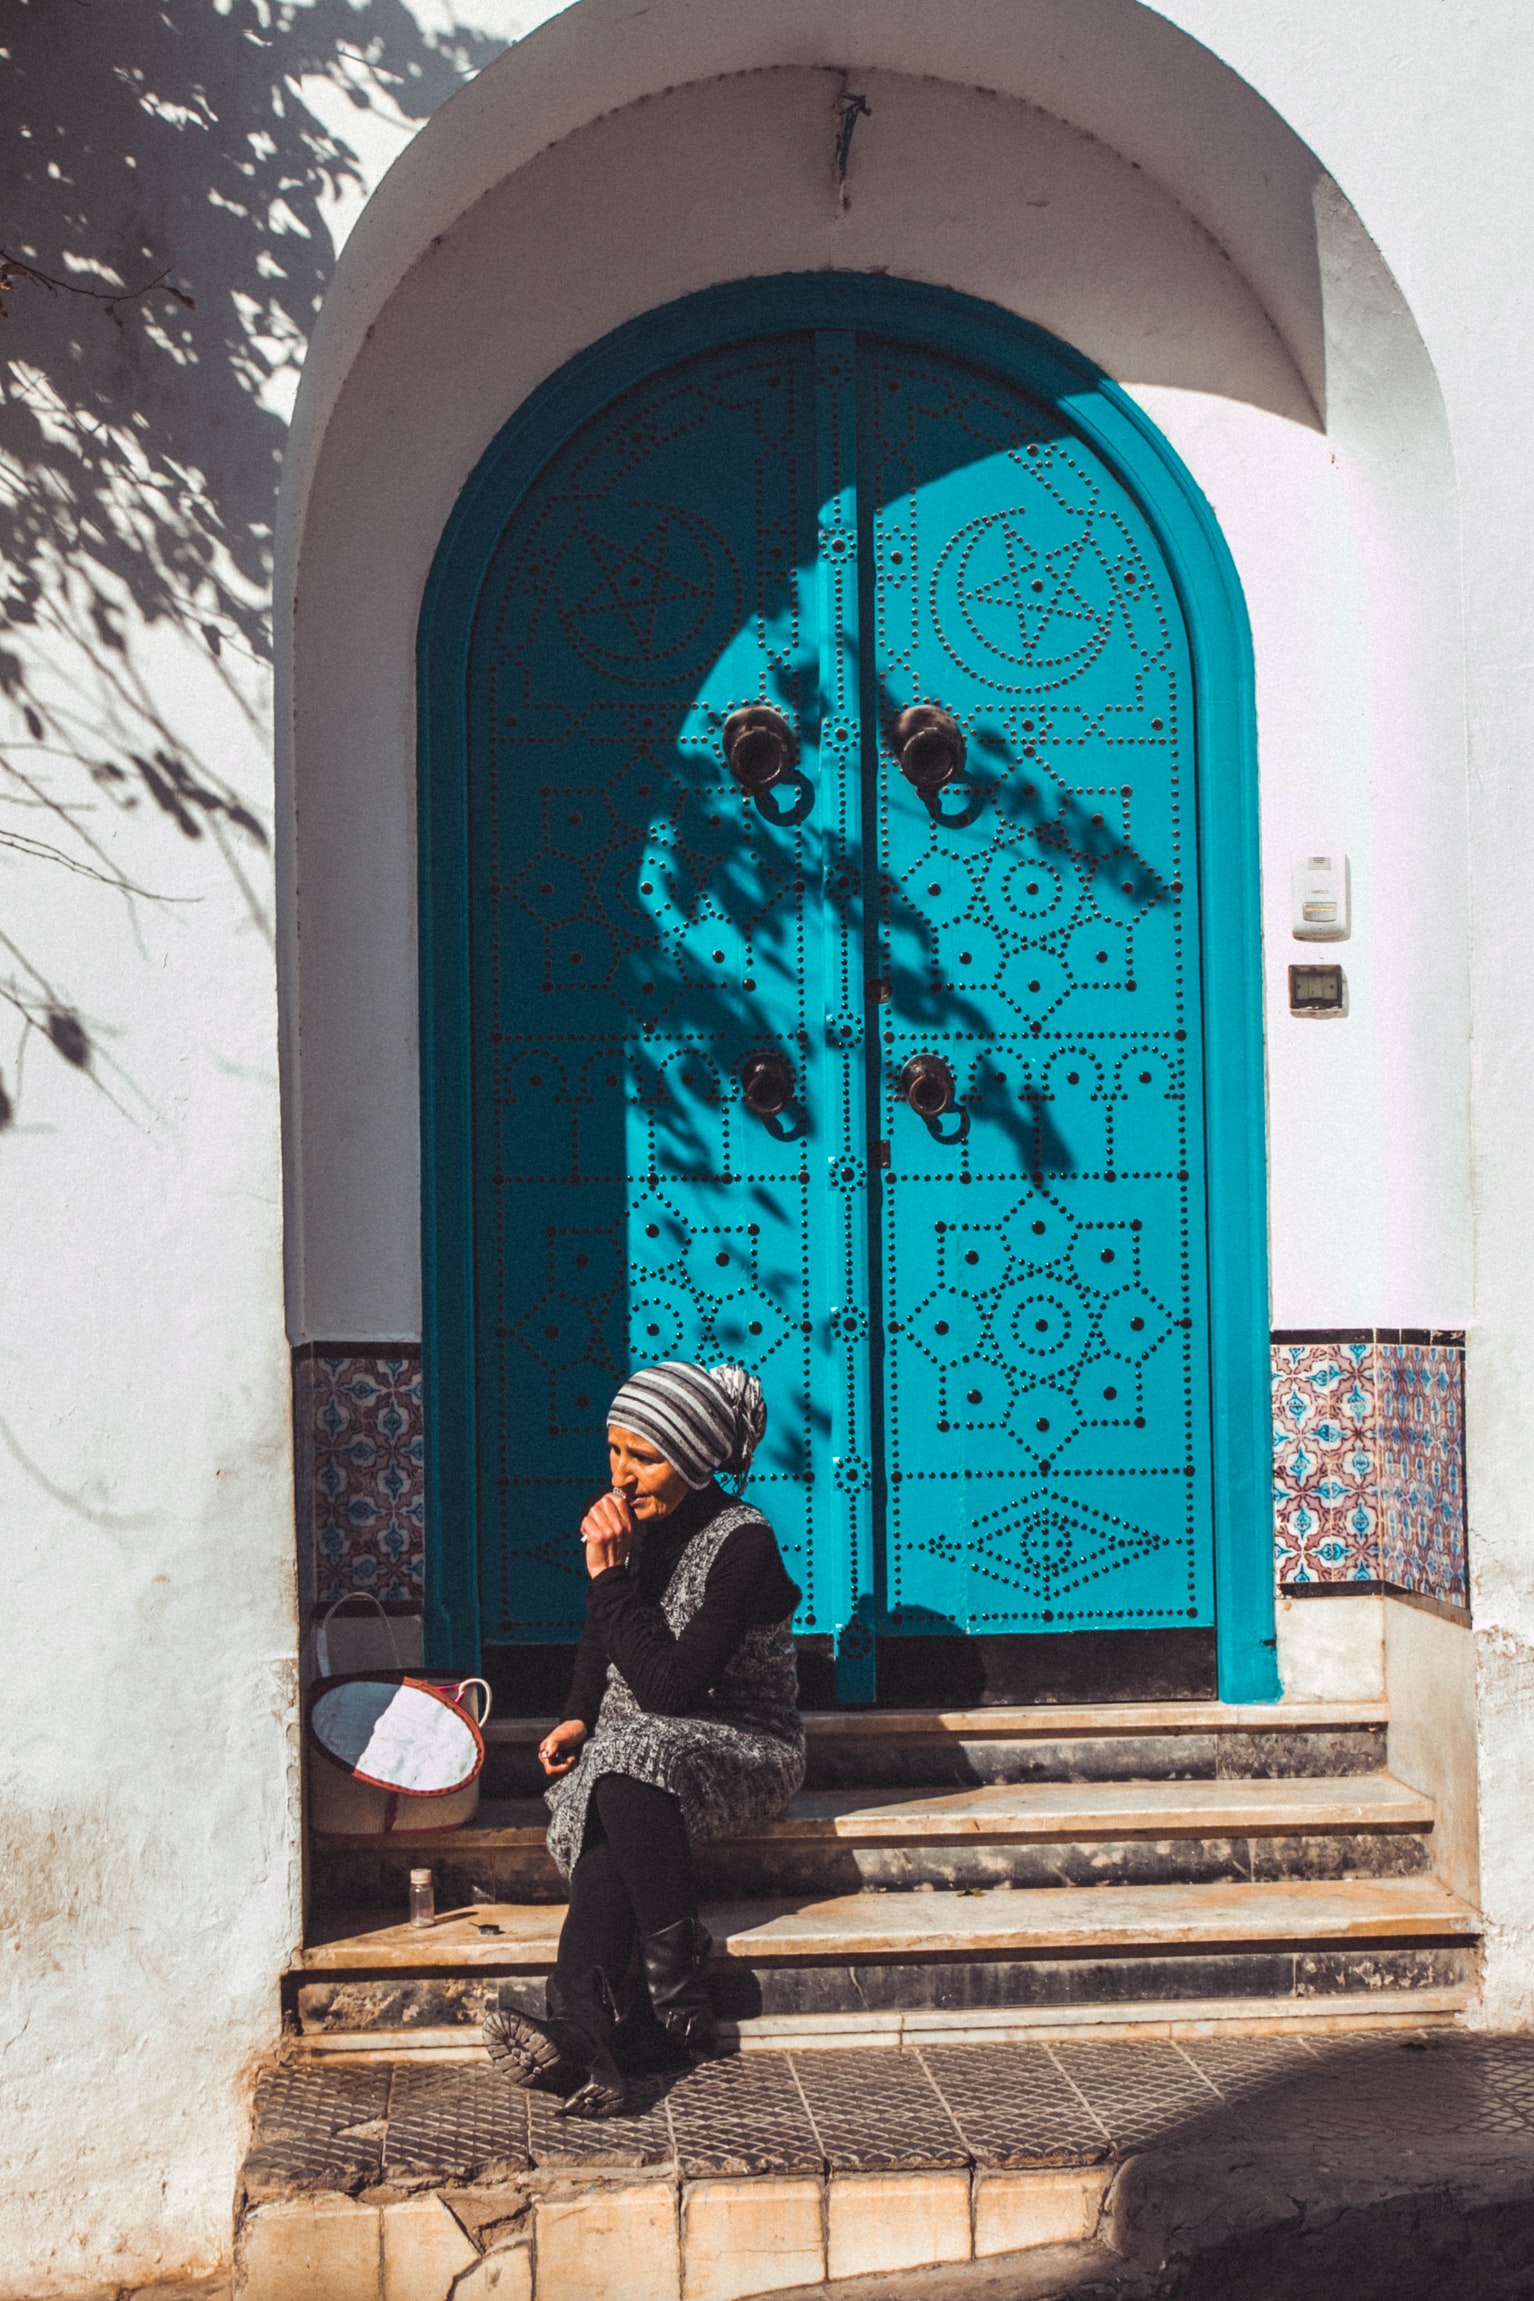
[(643, 1476)]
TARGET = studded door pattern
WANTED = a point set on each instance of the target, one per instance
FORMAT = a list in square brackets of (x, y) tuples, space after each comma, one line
[(840, 1207), (640, 928), (983, 1347), (1045, 1392)]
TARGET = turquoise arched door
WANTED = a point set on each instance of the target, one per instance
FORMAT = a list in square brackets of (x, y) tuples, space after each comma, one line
[(873, 1050)]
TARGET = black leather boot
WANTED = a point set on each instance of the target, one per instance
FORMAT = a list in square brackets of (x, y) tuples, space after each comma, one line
[(570, 2052), (527, 2051), (675, 1965), (583, 2015)]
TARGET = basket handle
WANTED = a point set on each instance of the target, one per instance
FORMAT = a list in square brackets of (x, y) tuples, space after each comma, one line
[(485, 1691), (348, 1598)]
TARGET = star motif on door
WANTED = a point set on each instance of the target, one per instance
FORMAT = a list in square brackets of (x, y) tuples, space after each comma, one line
[(1041, 610), (1037, 596), (644, 601)]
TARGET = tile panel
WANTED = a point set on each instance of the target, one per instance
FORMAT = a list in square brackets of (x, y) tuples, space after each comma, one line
[(360, 1433), (1420, 1408), (1325, 1483), (860, 2114), (1368, 1449), (1368, 1462)]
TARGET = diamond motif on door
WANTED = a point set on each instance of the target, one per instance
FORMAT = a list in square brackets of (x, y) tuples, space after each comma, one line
[(1052, 1553)]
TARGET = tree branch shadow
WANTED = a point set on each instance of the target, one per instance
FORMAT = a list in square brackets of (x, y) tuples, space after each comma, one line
[(167, 242)]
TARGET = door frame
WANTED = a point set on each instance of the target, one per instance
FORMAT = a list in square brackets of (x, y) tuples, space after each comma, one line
[(1225, 772)]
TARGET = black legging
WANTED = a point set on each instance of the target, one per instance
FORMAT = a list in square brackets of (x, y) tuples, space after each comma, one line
[(635, 1876)]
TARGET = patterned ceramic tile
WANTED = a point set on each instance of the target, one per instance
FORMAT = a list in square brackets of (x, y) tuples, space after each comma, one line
[(360, 1468), (1420, 1389), (1325, 1487), (1367, 1460)]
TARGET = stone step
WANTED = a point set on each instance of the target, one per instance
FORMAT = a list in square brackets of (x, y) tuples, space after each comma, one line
[(1105, 1741), (1298, 1941), (1357, 2012), (1049, 1834)]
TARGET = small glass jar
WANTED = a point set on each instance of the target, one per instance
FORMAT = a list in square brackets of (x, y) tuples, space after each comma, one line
[(423, 1904)]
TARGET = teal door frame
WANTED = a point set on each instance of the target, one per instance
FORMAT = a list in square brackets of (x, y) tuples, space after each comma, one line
[(1225, 766)]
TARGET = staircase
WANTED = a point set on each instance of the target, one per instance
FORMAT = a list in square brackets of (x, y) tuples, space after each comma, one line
[(993, 1874)]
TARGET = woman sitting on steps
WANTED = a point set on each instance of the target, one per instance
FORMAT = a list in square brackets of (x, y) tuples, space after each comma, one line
[(683, 1723)]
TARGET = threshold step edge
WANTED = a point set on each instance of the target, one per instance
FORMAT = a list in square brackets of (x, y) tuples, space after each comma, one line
[(1048, 1721), (926, 1926), (1282, 1806), (796, 2033)]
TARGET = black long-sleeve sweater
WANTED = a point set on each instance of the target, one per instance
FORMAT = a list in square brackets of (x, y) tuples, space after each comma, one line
[(747, 1585)]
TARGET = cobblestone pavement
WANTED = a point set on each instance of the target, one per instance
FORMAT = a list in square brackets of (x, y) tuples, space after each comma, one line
[(410, 2125)]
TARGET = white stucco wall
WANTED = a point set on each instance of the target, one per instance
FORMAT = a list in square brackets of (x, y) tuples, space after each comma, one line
[(148, 1882), (1416, 112), (1420, 124), (148, 1760)]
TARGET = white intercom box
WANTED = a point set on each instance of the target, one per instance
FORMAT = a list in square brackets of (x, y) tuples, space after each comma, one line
[(1320, 886)]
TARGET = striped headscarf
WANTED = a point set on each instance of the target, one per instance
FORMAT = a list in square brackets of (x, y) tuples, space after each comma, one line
[(702, 1419)]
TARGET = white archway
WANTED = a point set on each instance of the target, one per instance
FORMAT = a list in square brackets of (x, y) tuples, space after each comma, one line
[(1094, 170)]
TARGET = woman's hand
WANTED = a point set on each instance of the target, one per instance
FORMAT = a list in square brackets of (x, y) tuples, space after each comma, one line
[(557, 1752), (608, 1533)]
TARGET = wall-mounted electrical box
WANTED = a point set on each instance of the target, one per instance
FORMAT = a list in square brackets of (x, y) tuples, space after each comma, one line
[(1317, 991), (1320, 885)]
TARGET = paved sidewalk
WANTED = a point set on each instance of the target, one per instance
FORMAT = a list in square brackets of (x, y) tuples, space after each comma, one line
[(1391, 2167), (1399, 2170), (406, 2126)]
